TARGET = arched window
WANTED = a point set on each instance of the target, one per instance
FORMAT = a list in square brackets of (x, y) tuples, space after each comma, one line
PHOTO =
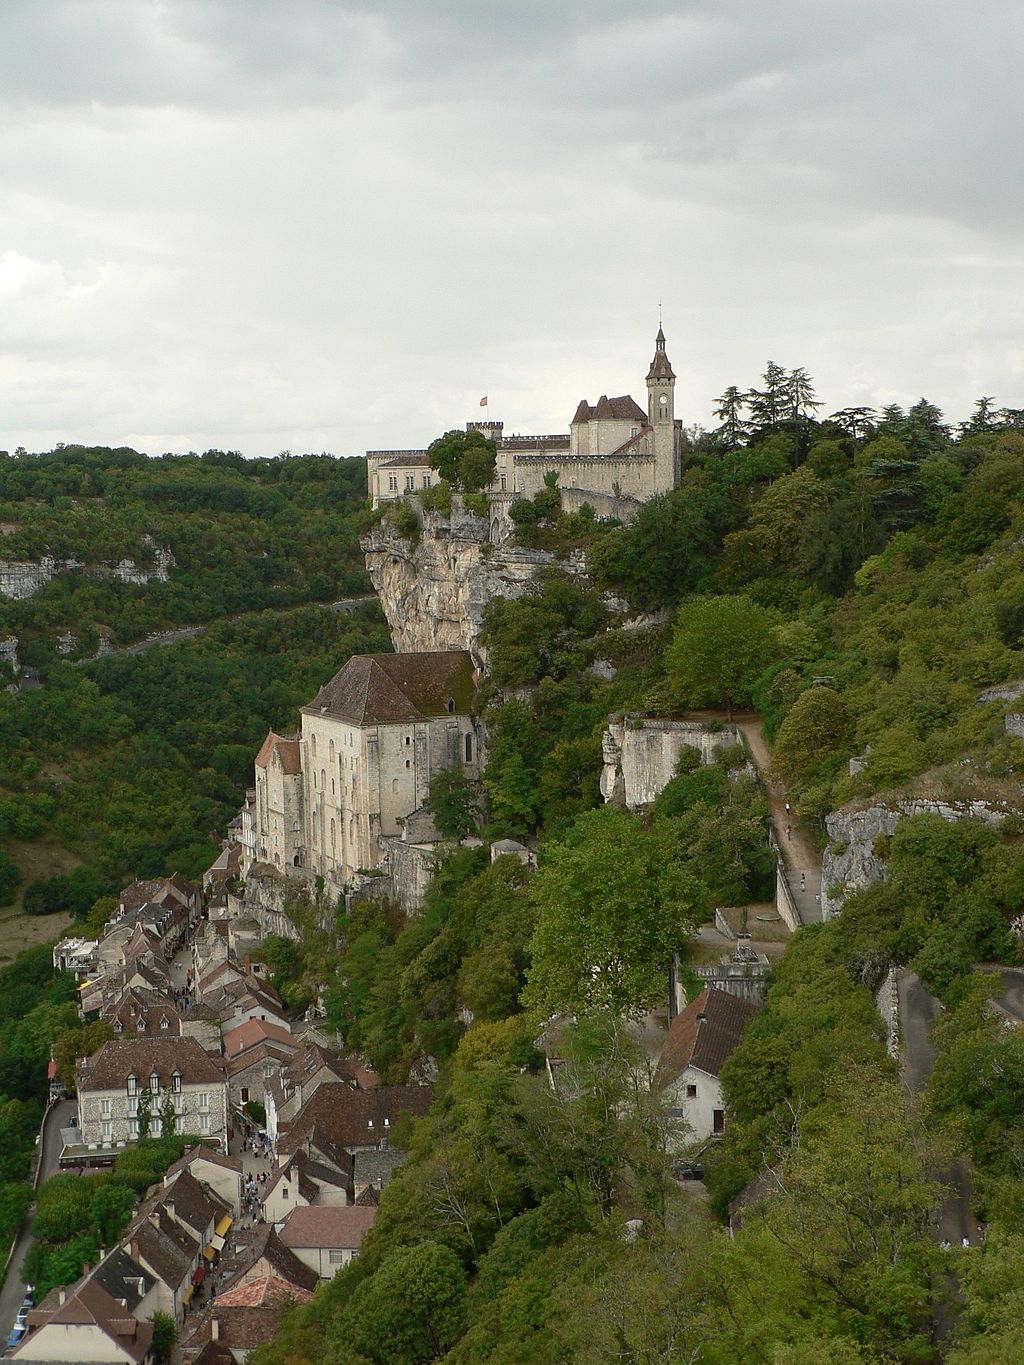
[(334, 835), (312, 745), (408, 764), (331, 750), (451, 705), (469, 748), (323, 780)]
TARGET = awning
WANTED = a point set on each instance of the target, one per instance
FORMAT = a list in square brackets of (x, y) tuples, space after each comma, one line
[(223, 1225), (186, 1297), (210, 1251), (199, 1276)]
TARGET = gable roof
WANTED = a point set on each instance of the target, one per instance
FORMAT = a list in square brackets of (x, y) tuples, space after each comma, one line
[(89, 1305), (123, 1279), (703, 1035), (255, 1031), (327, 1225), (623, 409), (261, 1293), (287, 751), (388, 688), (345, 1117), (201, 1153), (263, 1243)]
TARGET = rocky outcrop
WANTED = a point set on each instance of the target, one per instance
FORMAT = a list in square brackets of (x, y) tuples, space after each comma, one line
[(852, 859), (640, 754), (23, 578), (434, 587)]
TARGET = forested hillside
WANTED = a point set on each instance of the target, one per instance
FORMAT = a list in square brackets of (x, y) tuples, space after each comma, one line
[(859, 581), (133, 764)]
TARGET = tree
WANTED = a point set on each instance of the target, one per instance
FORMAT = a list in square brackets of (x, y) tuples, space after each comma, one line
[(410, 1311), (452, 801), (110, 1206), (815, 729), (720, 647), (466, 459), (770, 405), (613, 905), (802, 402), (165, 1335), (729, 411), (144, 1112)]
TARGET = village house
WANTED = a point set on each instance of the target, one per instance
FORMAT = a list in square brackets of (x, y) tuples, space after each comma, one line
[(242, 1318), (337, 1117), (328, 1237), (218, 1172), (257, 1253), (615, 450), (299, 1081), (371, 740), (126, 1073), (254, 1052), (82, 1322), (697, 1045), (301, 1180)]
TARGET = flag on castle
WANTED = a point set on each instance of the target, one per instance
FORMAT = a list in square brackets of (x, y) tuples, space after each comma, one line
[(483, 401)]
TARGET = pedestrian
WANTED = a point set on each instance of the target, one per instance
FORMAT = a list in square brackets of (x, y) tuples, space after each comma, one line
[(803, 881), (789, 831), (787, 807)]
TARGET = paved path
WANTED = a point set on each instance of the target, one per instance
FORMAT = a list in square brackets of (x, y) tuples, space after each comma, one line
[(13, 1290), (918, 1011)]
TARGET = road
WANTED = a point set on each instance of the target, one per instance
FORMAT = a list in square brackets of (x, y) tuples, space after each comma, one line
[(13, 1290), (918, 1010), (171, 637)]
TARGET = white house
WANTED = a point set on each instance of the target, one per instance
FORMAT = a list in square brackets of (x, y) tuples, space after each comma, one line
[(326, 1237), (696, 1047)]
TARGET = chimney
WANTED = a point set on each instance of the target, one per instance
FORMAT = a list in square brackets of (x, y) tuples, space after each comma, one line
[(214, 1330), (133, 1248), (62, 1294)]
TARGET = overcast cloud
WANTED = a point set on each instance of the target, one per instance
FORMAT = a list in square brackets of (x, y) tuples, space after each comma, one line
[(326, 225)]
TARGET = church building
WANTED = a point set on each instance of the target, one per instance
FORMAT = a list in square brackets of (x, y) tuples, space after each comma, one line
[(614, 449), (371, 740)]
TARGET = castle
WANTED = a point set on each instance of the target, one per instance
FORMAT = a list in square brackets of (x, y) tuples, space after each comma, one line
[(614, 452), (372, 738)]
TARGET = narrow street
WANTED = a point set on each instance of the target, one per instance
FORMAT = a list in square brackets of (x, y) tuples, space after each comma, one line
[(13, 1290)]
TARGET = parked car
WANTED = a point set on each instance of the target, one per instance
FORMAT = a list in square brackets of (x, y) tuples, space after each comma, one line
[(16, 1335)]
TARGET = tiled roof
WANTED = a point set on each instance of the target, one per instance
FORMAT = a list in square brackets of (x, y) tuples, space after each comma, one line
[(414, 459), (193, 1203), (164, 1245), (136, 895), (327, 1225), (255, 1031), (263, 1244), (262, 1293), (201, 1153), (660, 367), (387, 688), (375, 1167), (353, 1118), (109, 1068), (287, 750), (703, 1035), (89, 1305), (623, 409)]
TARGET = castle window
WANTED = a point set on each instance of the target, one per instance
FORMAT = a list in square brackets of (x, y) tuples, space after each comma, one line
[(408, 764), (451, 705), (426, 480), (331, 751), (408, 740), (469, 748), (410, 482), (392, 483)]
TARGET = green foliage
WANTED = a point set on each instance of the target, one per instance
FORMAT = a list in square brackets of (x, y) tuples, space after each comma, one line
[(165, 1336), (613, 903), (720, 646), (464, 459), (453, 803), (403, 518), (411, 1310)]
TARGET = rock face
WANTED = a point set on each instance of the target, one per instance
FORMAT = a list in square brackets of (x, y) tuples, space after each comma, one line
[(434, 590), (640, 754), (22, 578), (850, 862)]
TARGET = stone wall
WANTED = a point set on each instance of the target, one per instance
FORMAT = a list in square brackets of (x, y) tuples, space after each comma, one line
[(641, 753), (850, 861), (606, 505)]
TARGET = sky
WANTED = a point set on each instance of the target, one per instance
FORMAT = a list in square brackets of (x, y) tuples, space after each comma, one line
[(323, 225)]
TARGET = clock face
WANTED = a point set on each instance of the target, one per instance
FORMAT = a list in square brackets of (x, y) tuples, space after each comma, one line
[(663, 399)]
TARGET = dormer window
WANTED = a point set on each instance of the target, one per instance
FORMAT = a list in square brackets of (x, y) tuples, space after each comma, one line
[(165, 1022), (154, 1083), (369, 1123), (132, 1081), (176, 1082), (451, 705)]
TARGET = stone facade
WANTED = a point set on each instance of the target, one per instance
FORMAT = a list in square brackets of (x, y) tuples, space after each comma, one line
[(370, 743), (641, 754), (614, 448)]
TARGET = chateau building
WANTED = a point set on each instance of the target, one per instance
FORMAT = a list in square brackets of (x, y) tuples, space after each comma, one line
[(371, 740), (614, 448)]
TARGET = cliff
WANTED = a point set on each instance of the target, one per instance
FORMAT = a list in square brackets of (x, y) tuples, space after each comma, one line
[(433, 587), (23, 578), (850, 861)]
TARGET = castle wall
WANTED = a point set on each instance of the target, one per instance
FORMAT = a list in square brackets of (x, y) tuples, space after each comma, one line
[(632, 476)]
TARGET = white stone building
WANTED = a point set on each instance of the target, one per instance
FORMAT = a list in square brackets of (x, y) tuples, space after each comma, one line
[(371, 741), (613, 449), (128, 1072), (696, 1047)]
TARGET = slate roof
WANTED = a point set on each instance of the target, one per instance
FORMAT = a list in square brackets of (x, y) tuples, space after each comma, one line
[(703, 1035), (263, 1243), (327, 1225), (202, 1153), (109, 1068), (623, 408), (416, 458), (376, 1168), (389, 688), (123, 1278), (660, 367), (287, 750), (193, 1203)]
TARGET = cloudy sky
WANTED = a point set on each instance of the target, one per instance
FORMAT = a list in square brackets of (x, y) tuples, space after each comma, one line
[(326, 224)]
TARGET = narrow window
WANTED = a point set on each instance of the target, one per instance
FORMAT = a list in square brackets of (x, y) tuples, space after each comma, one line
[(469, 748)]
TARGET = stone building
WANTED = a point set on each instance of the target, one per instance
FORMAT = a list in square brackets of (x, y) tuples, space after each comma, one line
[(696, 1047), (371, 740), (614, 450), (111, 1084)]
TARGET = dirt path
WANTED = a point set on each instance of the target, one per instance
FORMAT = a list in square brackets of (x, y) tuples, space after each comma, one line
[(801, 861)]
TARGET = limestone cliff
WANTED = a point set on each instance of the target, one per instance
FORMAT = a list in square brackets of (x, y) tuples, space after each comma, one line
[(433, 588), (851, 862), (22, 578)]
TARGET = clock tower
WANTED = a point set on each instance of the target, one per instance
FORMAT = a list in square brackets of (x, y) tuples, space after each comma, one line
[(661, 381)]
